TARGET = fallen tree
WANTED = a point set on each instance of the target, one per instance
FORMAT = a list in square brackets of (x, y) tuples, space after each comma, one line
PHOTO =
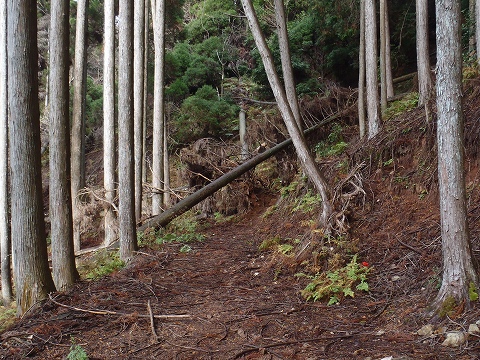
[(187, 203)]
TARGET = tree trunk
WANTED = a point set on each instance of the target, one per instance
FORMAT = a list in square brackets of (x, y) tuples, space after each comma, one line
[(477, 28), (383, 57), (361, 72), (63, 255), (109, 163), (284, 46), (423, 59), (158, 17), (373, 111), (78, 117), (33, 280), (5, 239), (138, 78), (186, 204), (242, 121), (303, 152), (458, 269), (126, 191), (388, 57), (145, 89), (471, 27), (166, 165)]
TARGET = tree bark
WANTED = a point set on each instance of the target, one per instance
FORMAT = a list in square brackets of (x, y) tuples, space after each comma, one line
[(158, 17), (5, 239), (373, 110), (383, 57), (477, 28), (126, 191), (138, 87), (306, 158), (78, 117), (287, 70), (33, 280), (186, 204), (423, 57), (388, 56), (459, 271), (361, 73), (63, 255)]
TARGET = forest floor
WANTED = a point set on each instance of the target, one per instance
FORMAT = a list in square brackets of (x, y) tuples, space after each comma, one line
[(227, 299)]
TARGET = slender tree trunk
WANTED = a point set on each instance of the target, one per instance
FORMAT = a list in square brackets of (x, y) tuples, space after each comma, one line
[(166, 164), (138, 98), (383, 58), (373, 110), (242, 120), (388, 57), (471, 27), (361, 72), (423, 59), (459, 271), (78, 118), (477, 28), (284, 46), (145, 89), (126, 191), (33, 280), (5, 240), (63, 255), (303, 152), (109, 158), (158, 17)]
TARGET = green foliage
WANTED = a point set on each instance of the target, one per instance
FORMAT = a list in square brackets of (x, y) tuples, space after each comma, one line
[(269, 243), (93, 105), (102, 264), (307, 202), (337, 284), (184, 229), (77, 352), (398, 107), (472, 291), (7, 316), (333, 145), (205, 115)]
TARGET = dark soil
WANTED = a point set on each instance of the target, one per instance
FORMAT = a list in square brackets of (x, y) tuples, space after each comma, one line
[(238, 306)]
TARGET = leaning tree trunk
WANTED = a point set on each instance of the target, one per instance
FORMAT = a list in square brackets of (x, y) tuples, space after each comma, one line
[(303, 152), (284, 46), (459, 272), (126, 191), (33, 280), (5, 240), (78, 117), (187, 203), (63, 255)]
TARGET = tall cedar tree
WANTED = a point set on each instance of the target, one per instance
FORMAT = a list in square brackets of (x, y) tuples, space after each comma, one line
[(78, 119), (5, 240), (33, 280), (459, 272), (63, 256), (126, 191)]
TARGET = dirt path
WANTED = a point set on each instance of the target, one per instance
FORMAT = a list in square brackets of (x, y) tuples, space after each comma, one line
[(236, 305)]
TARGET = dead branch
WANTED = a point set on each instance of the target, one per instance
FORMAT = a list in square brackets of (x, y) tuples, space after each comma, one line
[(116, 313), (152, 321)]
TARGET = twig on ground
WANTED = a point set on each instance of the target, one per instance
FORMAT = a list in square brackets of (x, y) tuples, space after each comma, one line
[(409, 247), (116, 313), (152, 321)]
